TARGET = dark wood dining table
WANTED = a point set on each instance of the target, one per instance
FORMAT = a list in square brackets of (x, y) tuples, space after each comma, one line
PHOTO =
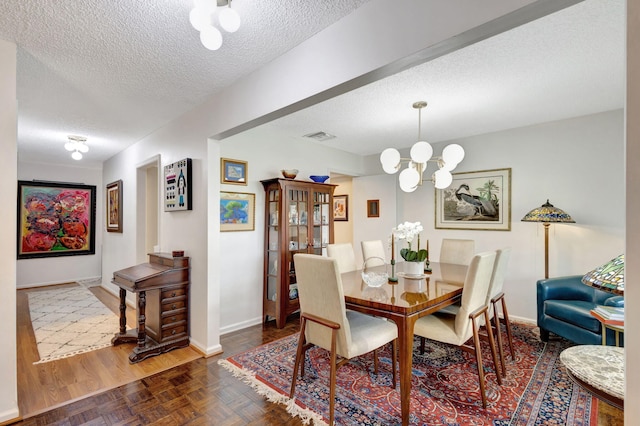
[(404, 302)]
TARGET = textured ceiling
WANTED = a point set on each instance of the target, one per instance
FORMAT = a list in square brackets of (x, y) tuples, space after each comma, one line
[(564, 65), (116, 70)]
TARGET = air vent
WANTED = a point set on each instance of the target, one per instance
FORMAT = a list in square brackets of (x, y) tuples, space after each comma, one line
[(320, 136)]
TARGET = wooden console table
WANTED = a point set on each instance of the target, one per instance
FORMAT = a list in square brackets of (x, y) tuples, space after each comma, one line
[(162, 287)]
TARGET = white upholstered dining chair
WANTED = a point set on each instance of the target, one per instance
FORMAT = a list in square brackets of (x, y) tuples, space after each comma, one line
[(457, 251), (343, 253), (457, 330), (325, 322), (373, 252), (495, 296)]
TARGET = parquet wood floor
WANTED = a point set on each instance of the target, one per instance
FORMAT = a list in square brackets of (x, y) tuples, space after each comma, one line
[(198, 392), (42, 387)]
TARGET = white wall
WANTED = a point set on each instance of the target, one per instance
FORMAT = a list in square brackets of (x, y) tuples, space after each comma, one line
[(576, 163), (376, 187), (242, 253), (62, 269), (8, 192)]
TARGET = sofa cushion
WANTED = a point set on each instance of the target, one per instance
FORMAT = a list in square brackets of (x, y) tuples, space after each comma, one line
[(575, 312)]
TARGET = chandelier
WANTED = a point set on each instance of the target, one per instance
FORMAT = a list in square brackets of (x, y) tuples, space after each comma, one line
[(203, 16), (77, 145), (421, 153)]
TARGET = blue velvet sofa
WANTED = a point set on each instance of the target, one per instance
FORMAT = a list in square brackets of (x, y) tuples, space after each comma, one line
[(563, 309)]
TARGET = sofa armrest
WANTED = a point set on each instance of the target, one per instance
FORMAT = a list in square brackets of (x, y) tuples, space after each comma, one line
[(615, 301), (563, 288)]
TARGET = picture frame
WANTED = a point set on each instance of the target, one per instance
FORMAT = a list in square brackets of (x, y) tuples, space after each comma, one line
[(237, 211), (178, 186), (373, 208), (233, 172), (479, 200), (340, 208), (55, 219), (114, 206)]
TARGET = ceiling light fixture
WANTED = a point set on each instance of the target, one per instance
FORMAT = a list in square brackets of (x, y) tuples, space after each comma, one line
[(78, 145), (202, 18), (421, 153)]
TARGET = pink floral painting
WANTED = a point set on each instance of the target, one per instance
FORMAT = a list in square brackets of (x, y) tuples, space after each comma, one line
[(55, 219)]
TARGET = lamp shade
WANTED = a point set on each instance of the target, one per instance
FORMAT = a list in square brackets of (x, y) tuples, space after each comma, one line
[(547, 213), (608, 277)]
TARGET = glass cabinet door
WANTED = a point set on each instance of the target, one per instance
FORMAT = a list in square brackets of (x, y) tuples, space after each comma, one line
[(273, 243), (297, 204), (321, 222)]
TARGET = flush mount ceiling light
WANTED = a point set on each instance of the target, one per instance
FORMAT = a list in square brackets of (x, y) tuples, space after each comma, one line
[(203, 16), (77, 145), (421, 153)]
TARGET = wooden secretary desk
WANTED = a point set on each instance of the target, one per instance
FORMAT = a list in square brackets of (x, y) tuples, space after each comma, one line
[(162, 288)]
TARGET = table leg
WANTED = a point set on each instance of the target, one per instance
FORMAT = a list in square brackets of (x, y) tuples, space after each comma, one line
[(604, 335), (405, 345)]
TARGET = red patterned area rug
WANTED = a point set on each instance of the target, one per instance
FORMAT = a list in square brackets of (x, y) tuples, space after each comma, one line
[(444, 390)]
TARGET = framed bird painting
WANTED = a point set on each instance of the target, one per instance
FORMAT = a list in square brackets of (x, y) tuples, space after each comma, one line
[(476, 200)]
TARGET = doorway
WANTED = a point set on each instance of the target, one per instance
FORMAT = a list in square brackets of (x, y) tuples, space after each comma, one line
[(147, 206)]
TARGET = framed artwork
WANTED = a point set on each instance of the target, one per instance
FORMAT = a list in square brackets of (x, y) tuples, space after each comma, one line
[(177, 186), (373, 208), (114, 206), (476, 200), (341, 208), (233, 171), (237, 211), (55, 219)]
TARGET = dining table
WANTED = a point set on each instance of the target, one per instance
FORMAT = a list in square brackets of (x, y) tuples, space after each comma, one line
[(404, 301)]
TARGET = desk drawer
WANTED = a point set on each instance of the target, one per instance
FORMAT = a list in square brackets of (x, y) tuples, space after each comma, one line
[(174, 317), (174, 332), (174, 292), (173, 304)]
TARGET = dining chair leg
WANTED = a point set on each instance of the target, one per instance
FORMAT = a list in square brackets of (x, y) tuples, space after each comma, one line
[(332, 378), (496, 322), (394, 362), (422, 345), (507, 325), (299, 355), (375, 361), (492, 346), (478, 352)]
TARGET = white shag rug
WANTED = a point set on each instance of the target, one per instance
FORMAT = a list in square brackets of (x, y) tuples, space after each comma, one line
[(70, 321)]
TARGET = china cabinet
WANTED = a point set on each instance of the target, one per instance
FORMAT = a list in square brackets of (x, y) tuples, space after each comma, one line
[(298, 219)]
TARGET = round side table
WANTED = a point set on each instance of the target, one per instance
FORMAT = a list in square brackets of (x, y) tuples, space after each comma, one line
[(597, 369)]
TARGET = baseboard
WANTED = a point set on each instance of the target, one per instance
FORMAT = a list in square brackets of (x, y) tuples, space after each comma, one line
[(523, 320), (10, 416), (53, 283), (240, 325), (206, 353)]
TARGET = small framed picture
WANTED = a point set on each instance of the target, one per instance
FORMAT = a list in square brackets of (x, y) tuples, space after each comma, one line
[(233, 171), (341, 208), (237, 211), (114, 206), (373, 208)]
